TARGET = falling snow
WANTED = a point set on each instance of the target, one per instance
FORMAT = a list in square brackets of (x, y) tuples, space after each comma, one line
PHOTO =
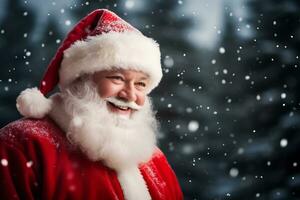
[(29, 164), (283, 142), (221, 50), (129, 4), (168, 61), (67, 22), (193, 126), (234, 172), (28, 53), (4, 162), (247, 77), (228, 103)]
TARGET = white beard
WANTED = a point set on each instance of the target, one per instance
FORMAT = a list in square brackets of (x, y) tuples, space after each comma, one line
[(106, 136)]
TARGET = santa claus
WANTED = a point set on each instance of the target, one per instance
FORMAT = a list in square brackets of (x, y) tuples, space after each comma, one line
[(95, 138)]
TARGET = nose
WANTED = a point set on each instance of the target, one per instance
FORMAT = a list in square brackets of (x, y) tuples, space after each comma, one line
[(128, 93)]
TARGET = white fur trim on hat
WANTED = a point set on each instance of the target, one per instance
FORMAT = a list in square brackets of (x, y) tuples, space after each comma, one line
[(126, 50), (32, 103)]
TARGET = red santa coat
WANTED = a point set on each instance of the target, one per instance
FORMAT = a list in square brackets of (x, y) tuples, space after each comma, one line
[(38, 162)]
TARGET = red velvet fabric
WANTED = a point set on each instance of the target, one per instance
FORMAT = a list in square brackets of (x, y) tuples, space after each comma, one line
[(37, 162), (80, 31)]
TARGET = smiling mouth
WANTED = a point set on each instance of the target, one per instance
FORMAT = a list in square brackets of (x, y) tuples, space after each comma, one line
[(124, 108)]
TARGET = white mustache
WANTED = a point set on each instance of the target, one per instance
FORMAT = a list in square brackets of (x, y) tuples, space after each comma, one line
[(118, 102)]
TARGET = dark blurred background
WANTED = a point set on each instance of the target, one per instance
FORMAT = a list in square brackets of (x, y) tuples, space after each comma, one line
[(229, 100)]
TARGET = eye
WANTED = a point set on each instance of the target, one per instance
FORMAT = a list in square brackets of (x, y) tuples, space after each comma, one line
[(142, 84), (116, 78)]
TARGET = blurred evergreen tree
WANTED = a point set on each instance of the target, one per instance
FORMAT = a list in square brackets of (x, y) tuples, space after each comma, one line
[(258, 103), (12, 44)]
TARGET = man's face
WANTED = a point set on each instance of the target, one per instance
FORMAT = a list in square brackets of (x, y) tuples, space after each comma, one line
[(125, 85)]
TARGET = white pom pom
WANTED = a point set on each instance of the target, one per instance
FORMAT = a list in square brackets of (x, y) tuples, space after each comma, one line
[(32, 103)]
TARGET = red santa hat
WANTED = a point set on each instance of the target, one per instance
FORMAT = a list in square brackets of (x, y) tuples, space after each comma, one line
[(100, 41)]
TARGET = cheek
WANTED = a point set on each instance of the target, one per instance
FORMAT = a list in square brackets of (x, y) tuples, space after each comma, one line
[(141, 100), (107, 89)]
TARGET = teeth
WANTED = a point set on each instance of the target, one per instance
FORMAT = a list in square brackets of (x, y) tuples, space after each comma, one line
[(121, 107)]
